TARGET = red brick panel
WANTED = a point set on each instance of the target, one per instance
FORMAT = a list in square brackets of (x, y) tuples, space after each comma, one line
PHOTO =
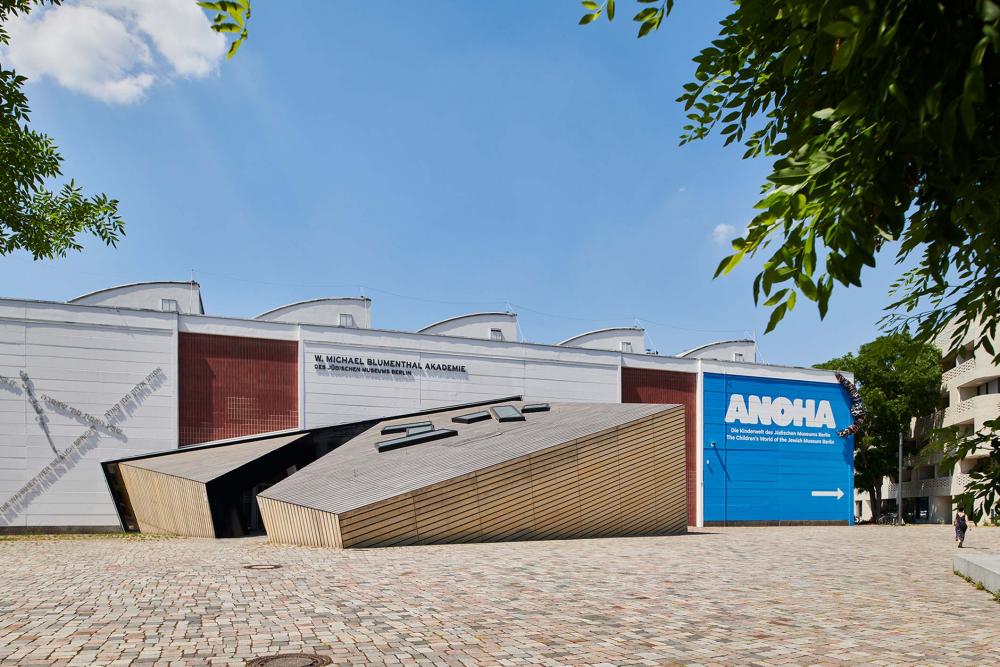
[(232, 386), (643, 385)]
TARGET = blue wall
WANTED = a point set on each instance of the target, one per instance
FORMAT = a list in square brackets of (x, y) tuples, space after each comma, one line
[(755, 471)]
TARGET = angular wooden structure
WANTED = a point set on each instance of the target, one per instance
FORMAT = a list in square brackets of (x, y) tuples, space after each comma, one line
[(577, 470), (491, 471)]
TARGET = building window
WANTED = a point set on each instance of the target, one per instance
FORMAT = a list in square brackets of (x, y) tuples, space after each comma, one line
[(626, 346), (496, 334), (346, 320), (737, 356), (168, 305), (988, 388)]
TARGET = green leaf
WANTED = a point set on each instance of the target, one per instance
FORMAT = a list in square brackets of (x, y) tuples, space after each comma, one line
[(728, 264), (588, 4), (840, 28), (589, 18), (611, 10), (645, 14), (776, 316)]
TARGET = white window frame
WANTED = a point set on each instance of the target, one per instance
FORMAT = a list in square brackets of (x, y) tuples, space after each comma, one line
[(165, 303), (346, 320), (496, 334), (626, 346)]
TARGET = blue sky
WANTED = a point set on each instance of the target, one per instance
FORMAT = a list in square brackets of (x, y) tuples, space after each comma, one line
[(442, 158)]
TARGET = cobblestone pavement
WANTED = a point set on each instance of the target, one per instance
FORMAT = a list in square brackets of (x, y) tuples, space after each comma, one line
[(764, 596)]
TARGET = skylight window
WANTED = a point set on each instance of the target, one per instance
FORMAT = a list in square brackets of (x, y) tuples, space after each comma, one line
[(404, 428), (535, 407), (472, 417), (507, 413), (416, 439)]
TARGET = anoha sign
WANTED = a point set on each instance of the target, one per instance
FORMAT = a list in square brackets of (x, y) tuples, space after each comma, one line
[(772, 451)]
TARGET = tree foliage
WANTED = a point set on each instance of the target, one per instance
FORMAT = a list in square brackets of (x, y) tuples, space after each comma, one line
[(231, 18), (899, 378), (881, 117), (33, 217)]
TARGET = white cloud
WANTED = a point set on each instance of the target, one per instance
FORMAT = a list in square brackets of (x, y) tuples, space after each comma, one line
[(723, 233), (114, 50)]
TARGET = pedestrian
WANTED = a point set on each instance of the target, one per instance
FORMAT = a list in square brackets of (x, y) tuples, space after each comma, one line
[(961, 525)]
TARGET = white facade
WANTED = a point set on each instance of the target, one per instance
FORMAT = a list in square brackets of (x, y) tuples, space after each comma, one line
[(104, 383), (724, 350), (491, 326), (631, 340), (331, 312), (166, 296), (62, 366)]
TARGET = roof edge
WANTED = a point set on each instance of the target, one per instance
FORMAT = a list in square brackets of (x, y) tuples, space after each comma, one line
[(597, 331), (319, 300), (192, 283), (305, 431), (505, 313), (714, 343)]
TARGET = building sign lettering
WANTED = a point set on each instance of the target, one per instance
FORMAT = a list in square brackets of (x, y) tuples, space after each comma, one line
[(781, 411), (379, 366)]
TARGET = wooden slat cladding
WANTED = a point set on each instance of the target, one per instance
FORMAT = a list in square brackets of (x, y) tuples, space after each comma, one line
[(624, 481), (166, 504), (293, 524), (230, 386), (647, 385)]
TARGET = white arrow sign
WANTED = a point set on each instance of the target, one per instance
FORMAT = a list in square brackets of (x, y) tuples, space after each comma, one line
[(838, 494)]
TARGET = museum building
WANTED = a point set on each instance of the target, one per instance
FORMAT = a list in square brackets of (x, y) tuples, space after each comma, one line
[(140, 371)]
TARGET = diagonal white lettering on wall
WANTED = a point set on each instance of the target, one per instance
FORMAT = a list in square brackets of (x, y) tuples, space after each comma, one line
[(68, 458)]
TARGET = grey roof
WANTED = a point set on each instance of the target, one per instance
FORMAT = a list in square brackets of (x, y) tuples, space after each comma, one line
[(205, 464), (356, 474)]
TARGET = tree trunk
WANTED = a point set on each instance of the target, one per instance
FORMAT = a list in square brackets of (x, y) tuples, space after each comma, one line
[(875, 499)]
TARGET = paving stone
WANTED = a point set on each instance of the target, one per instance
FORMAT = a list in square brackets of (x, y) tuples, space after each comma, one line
[(877, 595)]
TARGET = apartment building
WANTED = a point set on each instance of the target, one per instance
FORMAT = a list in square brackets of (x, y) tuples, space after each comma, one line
[(970, 387)]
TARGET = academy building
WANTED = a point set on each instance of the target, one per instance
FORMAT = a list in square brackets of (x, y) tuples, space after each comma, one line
[(142, 369)]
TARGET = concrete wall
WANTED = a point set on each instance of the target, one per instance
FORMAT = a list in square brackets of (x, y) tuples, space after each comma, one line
[(439, 371), (147, 296), (64, 366), (610, 339), (476, 325), (727, 350), (324, 312)]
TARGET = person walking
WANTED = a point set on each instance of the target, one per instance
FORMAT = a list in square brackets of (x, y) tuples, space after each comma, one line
[(961, 525)]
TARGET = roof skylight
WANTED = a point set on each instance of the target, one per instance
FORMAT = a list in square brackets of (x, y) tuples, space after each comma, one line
[(507, 413), (472, 417), (416, 439)]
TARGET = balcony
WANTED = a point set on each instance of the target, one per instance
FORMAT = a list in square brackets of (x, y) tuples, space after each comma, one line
[(973, 411), (961, 369), (936, 486), (972, 372)]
